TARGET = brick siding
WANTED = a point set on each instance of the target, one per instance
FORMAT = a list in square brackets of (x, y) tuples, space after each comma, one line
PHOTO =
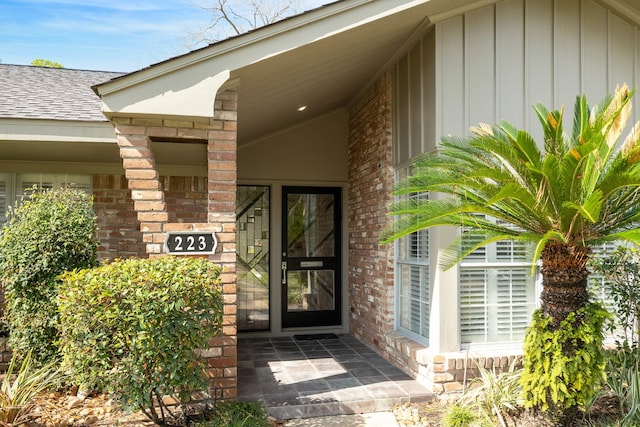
[(118, 228), (371, 293)]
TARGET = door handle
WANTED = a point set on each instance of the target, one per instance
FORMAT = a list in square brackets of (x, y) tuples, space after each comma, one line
[(284, 273)]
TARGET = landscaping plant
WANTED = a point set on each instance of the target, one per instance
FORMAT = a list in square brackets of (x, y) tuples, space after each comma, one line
[(460, 415), (136, 328), (47, 234), (554, 376), (565, 195), (19, 390), (621, 273), (623, 380), (496, 395)]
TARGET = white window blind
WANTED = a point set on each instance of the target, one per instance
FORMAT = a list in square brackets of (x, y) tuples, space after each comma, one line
[(497, 293), (17, 187), (413, 284), (412, 280), (3, 199), (597, 281)]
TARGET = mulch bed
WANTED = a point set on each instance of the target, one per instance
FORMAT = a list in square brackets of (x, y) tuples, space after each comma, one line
[(604, 412)]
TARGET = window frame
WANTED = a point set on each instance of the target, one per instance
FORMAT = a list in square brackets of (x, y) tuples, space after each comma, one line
[(15, 190), (423, 264)]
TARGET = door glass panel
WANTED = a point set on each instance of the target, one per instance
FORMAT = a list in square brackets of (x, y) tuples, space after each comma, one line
[(252, 234), (311, 225), (311, 267), (310, 290)]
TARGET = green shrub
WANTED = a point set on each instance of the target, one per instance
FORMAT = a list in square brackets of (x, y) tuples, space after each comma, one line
[(564, 368), (621, 272), (52, 232), (460, 415), (134, 327)]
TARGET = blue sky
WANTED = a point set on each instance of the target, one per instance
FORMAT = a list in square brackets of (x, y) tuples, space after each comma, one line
[(106, 35)]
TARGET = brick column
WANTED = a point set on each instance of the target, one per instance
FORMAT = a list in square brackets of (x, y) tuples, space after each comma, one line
[(143, 181), (222, 165), (220, 133)]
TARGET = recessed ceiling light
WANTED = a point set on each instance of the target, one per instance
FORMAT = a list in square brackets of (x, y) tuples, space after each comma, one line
[(302, 108)]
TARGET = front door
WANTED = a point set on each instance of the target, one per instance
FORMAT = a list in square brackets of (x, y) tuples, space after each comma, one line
[(311, 258)]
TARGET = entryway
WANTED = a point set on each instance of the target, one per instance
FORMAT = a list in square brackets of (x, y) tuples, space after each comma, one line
[(324, 375), (306, 290)]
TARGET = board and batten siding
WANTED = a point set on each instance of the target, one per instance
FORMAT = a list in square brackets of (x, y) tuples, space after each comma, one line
[(494, 63)]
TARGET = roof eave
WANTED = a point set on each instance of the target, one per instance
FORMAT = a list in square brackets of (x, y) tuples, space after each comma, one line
[(225, 46)]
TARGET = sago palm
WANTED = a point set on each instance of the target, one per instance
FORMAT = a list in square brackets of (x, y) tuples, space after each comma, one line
[(562, 197), (579, 191)]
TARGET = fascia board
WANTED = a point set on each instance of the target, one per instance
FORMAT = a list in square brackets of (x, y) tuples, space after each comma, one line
[(56, 131), (189, 83)]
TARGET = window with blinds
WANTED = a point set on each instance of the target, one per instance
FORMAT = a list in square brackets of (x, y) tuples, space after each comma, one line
[(413, 282), (496, 293), (597, 281), (26, 183), (17, 187), (3, 198)]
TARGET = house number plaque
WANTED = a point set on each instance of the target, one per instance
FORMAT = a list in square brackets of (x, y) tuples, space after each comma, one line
[(190, 243)]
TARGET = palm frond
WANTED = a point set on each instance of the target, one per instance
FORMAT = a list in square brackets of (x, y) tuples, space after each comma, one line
[(579, 189), (523, 142), (551, 121), (590, 209), (415, 215), (580, 117), (631, 235)]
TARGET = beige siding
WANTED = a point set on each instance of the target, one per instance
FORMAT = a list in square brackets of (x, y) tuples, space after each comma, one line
[(479, 51), (414, 100), (494, 63), (594, 49), (566, 52), (315, 150), (538, 77), (403, 102), (450, 72), (510, 89)]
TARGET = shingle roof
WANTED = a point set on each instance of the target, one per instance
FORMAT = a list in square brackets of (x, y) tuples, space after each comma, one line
[(28, 92)]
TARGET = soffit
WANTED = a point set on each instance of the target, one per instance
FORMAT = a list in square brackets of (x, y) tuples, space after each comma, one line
[(323, 75), (322, 59)]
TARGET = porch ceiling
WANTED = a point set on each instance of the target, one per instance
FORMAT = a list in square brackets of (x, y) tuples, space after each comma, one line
[(323, 75), (330, 72)]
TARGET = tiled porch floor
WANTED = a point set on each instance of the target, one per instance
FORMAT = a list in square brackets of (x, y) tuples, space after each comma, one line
[(309, 378)]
